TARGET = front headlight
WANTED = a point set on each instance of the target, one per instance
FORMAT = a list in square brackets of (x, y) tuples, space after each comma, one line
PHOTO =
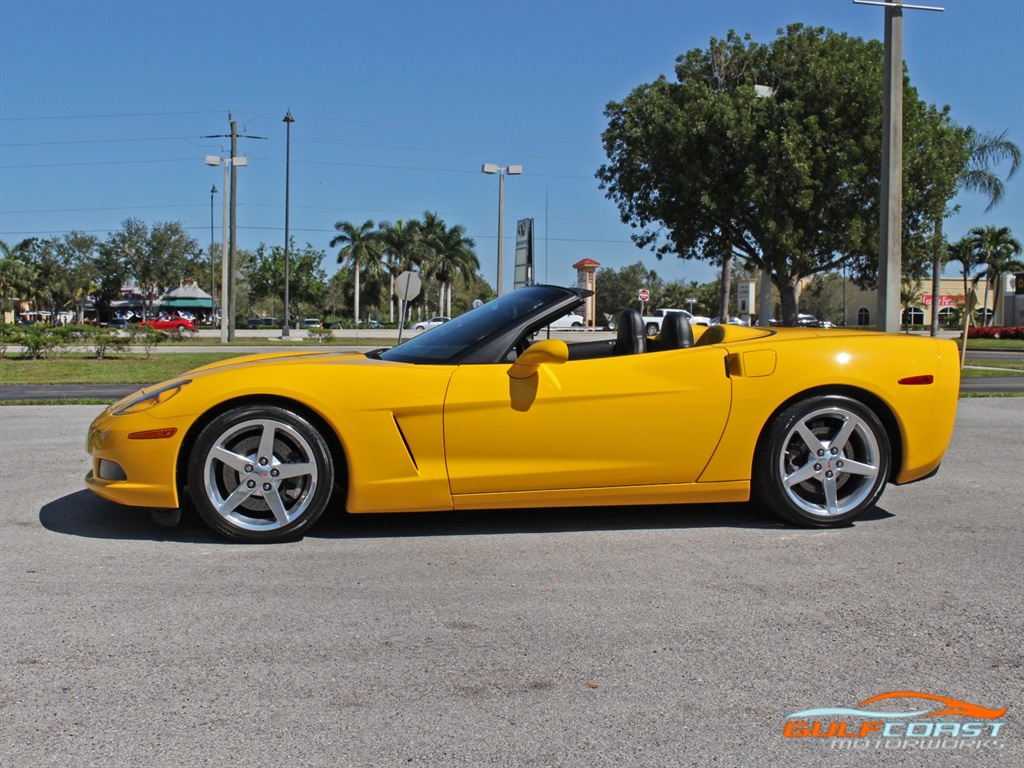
[(153, 398)]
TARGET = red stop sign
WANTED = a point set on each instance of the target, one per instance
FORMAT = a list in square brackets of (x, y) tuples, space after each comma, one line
[(644, 294)]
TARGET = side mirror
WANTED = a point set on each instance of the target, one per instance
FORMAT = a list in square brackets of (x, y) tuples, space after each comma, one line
[(547, 352)]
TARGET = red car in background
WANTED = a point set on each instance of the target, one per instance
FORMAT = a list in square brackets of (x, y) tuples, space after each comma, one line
[(170, 323)]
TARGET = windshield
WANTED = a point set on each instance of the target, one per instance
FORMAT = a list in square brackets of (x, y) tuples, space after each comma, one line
[(445, 343)]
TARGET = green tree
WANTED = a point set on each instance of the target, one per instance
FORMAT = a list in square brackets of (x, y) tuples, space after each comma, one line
[(910, 294), (17, 278), (360, 248), (452, 258), (704, 166), (970, 265), (823, 297), (995, 247), (157, 258), (403, 250), (619, 288), (63, 270), (307, 278)]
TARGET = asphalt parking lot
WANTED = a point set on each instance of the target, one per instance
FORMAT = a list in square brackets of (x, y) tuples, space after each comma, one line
[(660, 636)]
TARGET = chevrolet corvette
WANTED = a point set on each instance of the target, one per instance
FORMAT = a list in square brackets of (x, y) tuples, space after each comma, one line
[(477, 413)]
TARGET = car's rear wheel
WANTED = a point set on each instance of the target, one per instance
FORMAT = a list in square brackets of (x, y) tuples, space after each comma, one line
[(260, 474), (824, 462)]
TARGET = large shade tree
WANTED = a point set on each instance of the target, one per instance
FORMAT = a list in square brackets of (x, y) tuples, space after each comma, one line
[(157, 258), (771, 153)]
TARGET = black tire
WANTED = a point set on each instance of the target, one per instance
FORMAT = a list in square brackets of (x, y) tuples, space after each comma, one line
[(260, 474), (651, 329), (823, 462)]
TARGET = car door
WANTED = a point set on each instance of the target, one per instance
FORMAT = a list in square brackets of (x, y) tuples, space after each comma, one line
[(642, 419)]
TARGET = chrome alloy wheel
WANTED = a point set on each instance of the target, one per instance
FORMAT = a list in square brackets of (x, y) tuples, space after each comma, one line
[(830, 462), (260, 474)]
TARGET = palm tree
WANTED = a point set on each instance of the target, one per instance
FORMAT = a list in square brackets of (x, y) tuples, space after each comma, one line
[(456, 259), (963, 251), (910, 294), (402, 248), (986, 150), (995, 247), (361, 247)]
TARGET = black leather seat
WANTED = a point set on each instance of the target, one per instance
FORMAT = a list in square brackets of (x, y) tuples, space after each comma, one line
[(630, 338), (676, 332)]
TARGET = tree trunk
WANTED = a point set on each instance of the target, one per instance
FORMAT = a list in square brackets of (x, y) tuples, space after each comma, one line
[(788, 298), (936, 276), (726, 288), (355, 300)]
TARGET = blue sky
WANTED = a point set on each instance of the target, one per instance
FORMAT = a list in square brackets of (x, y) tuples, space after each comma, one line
[(103, 106)]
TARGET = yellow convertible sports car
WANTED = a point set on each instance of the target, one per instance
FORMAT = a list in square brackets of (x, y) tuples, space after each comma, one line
[(477, 413)]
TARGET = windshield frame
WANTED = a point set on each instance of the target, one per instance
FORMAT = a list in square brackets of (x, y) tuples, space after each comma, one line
[(488, 333)]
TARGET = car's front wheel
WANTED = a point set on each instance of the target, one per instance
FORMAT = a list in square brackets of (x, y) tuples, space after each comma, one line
[(824, 462), (260, 474)]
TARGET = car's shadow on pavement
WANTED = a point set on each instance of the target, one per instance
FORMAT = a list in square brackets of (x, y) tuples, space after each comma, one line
[(85, 514)]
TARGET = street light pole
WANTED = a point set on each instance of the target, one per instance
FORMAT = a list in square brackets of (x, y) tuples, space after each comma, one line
[(890, 230), (213, 279), (511, 170), (226, 263), (288, 120)]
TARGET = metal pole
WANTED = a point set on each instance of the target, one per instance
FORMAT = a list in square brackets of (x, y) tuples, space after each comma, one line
[(213, 273), (224, 260), (501, 228), (890, 251), (234, 233), (288, 119)]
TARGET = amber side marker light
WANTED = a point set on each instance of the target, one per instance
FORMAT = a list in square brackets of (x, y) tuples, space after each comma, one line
[(918, 380), (153, 434)]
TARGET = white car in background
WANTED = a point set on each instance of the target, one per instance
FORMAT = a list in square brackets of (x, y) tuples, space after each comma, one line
[(571, 320), (426, 325), (652, 323)]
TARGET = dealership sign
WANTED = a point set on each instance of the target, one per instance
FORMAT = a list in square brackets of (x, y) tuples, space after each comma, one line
[(944, 301)]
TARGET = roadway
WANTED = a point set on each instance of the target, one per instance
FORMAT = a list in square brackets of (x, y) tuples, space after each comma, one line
[(655, 636)]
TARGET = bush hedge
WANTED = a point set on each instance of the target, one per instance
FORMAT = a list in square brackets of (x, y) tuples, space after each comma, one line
[(996, 332)]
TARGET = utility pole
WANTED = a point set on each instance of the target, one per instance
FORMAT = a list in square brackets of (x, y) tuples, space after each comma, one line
[(288, 120), (234, 232), (890, 231)]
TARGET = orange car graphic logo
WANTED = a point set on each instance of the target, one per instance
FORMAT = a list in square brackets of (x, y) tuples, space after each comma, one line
[(952, 706)]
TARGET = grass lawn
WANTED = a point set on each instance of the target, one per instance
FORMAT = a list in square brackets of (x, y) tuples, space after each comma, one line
[(1016, 344), (123, 369)]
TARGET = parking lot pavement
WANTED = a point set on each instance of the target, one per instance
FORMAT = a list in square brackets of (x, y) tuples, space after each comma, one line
[(657, 636)]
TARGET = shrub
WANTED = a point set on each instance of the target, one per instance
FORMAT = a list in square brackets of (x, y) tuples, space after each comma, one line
[(320, 335), (996, 332)]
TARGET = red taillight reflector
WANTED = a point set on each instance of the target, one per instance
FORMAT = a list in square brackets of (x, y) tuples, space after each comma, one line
[(153, 434), (917, 380)]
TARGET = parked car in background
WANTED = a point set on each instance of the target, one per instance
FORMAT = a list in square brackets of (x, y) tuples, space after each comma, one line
[(568, 321), (312, 322), (263, 323), (118, 324), (652, 322), (733, 320), (807, 321), (426, 325), (170, 323)]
